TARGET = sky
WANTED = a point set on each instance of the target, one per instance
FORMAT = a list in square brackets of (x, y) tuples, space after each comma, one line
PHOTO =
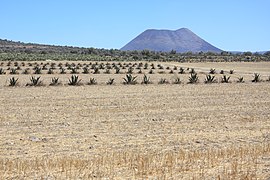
[(231, 25)]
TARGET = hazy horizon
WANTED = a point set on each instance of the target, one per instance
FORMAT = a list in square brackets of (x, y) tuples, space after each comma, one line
[(229, 25)]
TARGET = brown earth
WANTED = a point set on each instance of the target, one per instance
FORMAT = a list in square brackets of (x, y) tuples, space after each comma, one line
[(185, 131)]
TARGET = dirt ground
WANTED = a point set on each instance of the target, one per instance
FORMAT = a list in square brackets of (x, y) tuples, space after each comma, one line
[(169, 131)]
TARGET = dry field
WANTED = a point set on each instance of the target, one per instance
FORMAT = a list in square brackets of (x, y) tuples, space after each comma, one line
[(168, 131)]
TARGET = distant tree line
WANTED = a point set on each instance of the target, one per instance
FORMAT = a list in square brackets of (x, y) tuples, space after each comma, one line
[(17, 51)]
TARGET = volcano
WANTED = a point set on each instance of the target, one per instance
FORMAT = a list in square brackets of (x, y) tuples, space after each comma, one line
[(181, 40)]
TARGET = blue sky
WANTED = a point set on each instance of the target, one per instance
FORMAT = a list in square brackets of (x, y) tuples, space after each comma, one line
[(238, 25)]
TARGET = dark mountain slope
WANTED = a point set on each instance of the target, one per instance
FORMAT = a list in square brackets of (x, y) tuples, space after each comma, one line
[(181, 40)]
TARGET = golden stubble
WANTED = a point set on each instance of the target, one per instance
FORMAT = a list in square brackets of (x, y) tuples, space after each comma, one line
[(152, 131)]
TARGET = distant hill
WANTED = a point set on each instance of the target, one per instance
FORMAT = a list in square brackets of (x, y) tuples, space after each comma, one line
[(17, 46), (181, 40)]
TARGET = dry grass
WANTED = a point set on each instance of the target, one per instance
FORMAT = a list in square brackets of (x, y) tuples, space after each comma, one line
[(201, 131)]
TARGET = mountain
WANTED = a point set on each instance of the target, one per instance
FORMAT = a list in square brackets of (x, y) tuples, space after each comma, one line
[(181, 40)]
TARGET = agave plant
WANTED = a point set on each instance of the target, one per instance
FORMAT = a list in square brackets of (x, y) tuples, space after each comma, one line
[(192, 71), (44, 67), (212, 71), (74, 80), (146, 80), (130, 79), (34, 81), (256, 78), (171, 72), (37, 70), (50, 71), (177, 81), (240, 80), (221, 71), (110, 81), (163, 81), (209, 79), (62, 70), (73, 70), (107, 71), (160, 66), (181, 70), (193, 78), (140, 71), (145, 66), (231, 71), (92, 81), (268, 79), (13, 71), (130, 70), (117, 70), (151, 71), (13, 81), (54, 81), (96, 70), (26, 71), (85, 70), (225, 79)]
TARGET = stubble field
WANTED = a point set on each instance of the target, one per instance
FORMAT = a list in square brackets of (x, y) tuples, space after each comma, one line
[(154, 131)]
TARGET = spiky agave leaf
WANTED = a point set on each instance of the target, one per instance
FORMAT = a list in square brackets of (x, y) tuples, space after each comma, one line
[(225, 79), (13, 81), (209, 79), (193, 78)]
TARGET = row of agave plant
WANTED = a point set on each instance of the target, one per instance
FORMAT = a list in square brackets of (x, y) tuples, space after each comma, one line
[(106, 70), (132, 80)]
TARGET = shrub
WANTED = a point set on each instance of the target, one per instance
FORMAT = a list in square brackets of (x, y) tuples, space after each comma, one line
[(193, 78), (74, 80), (13, 81), (130, 79), (225, 79)]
